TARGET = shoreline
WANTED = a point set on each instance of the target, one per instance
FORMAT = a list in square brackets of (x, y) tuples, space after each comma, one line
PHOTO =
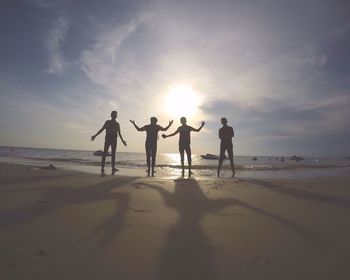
[(175, 172)]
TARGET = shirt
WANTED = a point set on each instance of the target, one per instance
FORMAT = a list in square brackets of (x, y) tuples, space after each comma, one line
[(185, 135), (152, 132), (112, 128), (225, 134)]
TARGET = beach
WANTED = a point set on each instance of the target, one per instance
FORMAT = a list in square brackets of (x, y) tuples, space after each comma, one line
[(66, 224)]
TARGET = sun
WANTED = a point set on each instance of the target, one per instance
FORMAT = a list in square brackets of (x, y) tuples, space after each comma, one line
[(181, 101)]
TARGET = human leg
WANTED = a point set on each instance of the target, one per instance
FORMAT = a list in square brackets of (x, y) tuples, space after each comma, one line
[(189, 159), (103, 160), (182, 151), (113, 150), (221, 158), (148, 158), (154, 153), (230, 156)]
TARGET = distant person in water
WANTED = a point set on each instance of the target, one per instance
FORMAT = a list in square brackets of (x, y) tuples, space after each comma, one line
[(152, 130), (226, 134), (112, 131), (185, 143)]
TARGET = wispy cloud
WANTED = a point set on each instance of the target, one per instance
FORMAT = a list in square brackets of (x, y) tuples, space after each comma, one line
[(342, 29), (102, 63), (76, 127), (42, 3), (66, 120), (57, 36)]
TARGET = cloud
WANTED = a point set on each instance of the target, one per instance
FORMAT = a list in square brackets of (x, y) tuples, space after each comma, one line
[(76, 127), (103, 63), (57, 36), (341, 29), (42, 3), (294, 77), (29, 119), (276, 70)]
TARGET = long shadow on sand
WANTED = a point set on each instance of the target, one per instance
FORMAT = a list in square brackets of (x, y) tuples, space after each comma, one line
[(26, 179), (300, 194), (58, 197), (188, 252)]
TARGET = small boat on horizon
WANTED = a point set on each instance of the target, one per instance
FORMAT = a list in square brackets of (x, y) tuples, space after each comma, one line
[(211, 156), (297, 158), (99, 153)]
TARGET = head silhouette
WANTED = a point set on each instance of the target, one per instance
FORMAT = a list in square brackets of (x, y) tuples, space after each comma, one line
[(114, 115), (183, 120), (224, 121), (154, 120)]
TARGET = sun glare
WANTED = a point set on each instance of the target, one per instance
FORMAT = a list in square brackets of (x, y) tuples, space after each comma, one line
[(181, 100)]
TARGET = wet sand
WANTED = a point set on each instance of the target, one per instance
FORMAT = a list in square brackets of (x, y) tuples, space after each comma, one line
[(58, 224)]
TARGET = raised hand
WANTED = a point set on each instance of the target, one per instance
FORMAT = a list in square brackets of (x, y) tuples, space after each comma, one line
[(171, 122), (203, 123)]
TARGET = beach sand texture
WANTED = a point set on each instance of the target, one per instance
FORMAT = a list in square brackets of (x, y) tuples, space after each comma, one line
[(70, 225)]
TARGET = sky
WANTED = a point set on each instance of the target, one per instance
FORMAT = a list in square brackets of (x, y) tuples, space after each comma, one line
[(279, 71)]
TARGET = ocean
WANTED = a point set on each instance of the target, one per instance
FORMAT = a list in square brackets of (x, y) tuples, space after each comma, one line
[(168, 165)]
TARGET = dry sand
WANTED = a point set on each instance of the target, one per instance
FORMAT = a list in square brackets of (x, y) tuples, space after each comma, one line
[(70, 225)]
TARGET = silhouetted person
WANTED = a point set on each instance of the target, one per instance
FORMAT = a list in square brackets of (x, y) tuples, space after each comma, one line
[(185, 142), (226, 134), (112, 130), (152, 130)]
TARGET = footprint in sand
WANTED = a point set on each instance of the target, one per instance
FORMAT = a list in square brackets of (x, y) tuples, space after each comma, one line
[(142, 211), (42, 252), (257, 260), (41, 201), (137, 186)]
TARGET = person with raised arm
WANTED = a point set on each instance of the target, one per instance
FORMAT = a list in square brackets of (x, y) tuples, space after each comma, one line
[(185, 143), (112, 131), (152, 130), (226, 134)]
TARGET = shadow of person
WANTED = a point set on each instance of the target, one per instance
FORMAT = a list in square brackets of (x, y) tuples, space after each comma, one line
[(300, 193), (27, 179), (58, 197), (107, 231), (188, 252)]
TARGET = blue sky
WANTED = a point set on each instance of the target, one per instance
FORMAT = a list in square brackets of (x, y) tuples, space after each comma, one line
[(278, 70)]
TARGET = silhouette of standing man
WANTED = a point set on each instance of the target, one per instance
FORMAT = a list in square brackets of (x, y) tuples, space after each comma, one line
[(226, 134), (112, 130), (185, 143), (152, 130)]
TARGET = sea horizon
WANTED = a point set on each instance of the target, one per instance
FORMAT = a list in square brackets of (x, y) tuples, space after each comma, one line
[(286, 155)]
